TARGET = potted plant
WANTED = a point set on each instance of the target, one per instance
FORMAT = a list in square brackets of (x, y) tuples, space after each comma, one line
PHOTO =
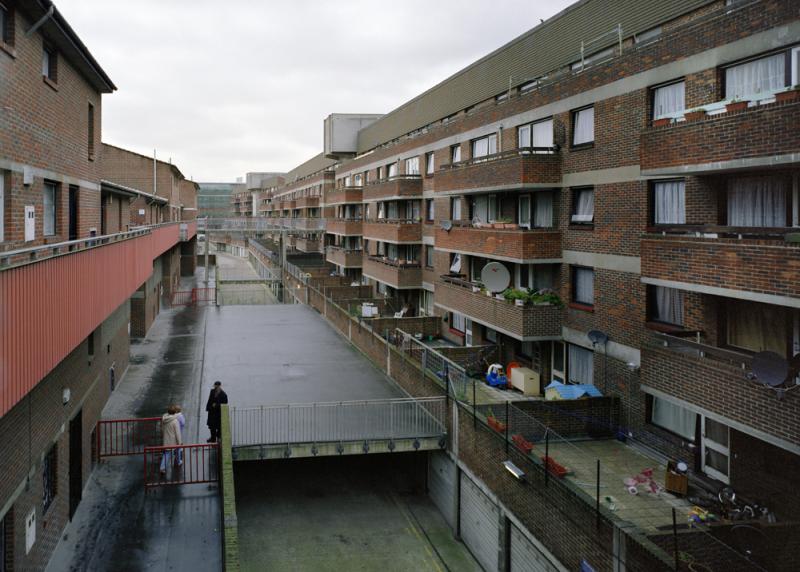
[(476, 287), (694, 114), (790, 94), (522, 443), (519, 297), (735, 105), (545, 297)]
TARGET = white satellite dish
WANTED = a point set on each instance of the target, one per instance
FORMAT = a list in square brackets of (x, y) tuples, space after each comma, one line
[(495, 277)]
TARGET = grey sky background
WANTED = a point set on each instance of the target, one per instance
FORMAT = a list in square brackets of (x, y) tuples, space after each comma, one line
[(228, 87)]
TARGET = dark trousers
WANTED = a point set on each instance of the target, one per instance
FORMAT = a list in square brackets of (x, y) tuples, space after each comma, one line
[(216, 432)]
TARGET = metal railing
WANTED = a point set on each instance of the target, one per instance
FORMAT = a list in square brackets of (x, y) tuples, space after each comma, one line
[(522, 151), (181, 465), (117, 437), (404, 418), (459, 384)]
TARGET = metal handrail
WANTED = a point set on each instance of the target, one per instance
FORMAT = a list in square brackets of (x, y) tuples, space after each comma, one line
[(522, 151), (395, 220), (395, 263), (401, 177), (706, 350), (776, 232)]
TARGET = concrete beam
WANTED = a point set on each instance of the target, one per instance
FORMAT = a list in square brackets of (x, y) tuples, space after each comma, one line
[(332, 449)]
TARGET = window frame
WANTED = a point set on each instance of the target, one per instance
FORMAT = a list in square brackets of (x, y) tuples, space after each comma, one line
[(453, 202), (488, 138), (52, 64), (650, 405), (430, 164), (48, 186), (530, 126), (429, 260), (652, 99), (790, 53), (574, 192), (409, 165), (455, 153), (430, 211), (453, 327), (652, 309), (652, 198), (574, 118), (574, 270)]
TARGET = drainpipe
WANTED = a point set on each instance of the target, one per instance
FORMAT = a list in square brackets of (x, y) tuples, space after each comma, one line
[(39, 23)]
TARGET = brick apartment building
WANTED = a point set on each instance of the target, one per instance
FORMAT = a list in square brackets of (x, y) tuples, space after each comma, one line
[(644, 187), (71, 269)]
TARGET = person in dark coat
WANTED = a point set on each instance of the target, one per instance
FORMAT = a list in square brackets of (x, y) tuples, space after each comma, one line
[(216, 399)]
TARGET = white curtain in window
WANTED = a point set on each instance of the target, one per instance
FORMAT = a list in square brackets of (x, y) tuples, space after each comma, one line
[(459, 322), (456, 208), (49, 222), (480, 209), (670, 202), (412, 166), (757, 327), (757, 78), (525, 211), (414, 210), (669, 305), (584, 126), (674, 418), (484, 146), (391, 170), (429, 163), (455, 153), (581, 365), (455, 267), (543, 134), (584, 206), (381, 211), (524, 137), (430, 209), (669, 100), (757, 201), (543, 210), (584, 285), (391, 251), (392, 210)]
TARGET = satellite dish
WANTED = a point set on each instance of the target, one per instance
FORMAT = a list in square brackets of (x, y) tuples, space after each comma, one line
[(770, 368), (447, 225), (495, 277), (598, 337)]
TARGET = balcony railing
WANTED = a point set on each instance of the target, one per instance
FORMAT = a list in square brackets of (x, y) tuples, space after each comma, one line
[(399, 186), (306, 245), (344, 226), (345, 195), (393, 229), (402, 274), (307, 202), (509, 169), (346, 257), (527, 322), (509, 243)]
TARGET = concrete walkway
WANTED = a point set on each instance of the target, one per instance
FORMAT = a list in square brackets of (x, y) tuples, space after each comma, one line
[(240, 284), (116, 526)]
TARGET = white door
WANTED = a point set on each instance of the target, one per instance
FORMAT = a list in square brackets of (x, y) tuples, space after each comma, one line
[(559, 357), (30, 223), (467, 332), (716, 450)]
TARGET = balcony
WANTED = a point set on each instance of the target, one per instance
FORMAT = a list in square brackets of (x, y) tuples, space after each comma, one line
[(284, 205), (344, 257), (763, 135), (307, 245), (94, 275), (307, 202), (394, 230), (508, 170), (397, 274), (308, 223), (718, 379), (529, 322), (344, 226), (515, 244), (749, 259), (399, 186), (344, 195)]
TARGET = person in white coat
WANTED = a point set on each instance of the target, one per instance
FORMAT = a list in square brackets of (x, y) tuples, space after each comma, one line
[(170, 435)]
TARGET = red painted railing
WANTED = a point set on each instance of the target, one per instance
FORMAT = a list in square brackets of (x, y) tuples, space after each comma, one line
[(181, 465), (117, 437), (193, 297)]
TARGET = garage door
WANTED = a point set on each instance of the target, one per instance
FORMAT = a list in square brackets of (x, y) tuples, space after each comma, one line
[(525, 557), (480, 524), (442, 485)]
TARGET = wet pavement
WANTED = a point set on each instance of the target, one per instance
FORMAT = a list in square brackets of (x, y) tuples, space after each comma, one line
[(240, 284), (117, 527)]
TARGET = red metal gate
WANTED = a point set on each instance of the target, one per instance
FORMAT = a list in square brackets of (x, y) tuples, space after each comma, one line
[(193, 297), (181, 465), (117, 437)]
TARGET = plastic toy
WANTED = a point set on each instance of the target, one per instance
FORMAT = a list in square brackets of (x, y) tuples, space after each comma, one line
[(496, 377)]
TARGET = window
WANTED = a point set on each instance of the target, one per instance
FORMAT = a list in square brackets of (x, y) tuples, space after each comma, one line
[(426, 303), (357, 180), (484, 208), (669, 202), (666, 305), (49, 477), (455, 153), (430, 164), (455, 263), (757, 202), (582, 206), (528, 86), (543, 209), (583, 286), (484, 146), (380, 173), (535, 276), (673, 418), (391, 170), (491, 335), (583, 126), (501, 97), (476, 264), (6, 26), (412, 166), (757, 327), (669, 100), (458, 322), (49, 219), (429, 256), (50, 64), (455, 208), (580, 365), (756, 78), (90, 131), (429, 210), (539, 134)]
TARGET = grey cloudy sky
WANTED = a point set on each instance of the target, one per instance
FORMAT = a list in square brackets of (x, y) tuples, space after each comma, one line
[(244, 85)]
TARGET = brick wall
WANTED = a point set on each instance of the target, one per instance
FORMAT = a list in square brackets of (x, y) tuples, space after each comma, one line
[(392, 232), (500, 172), (518, 244)]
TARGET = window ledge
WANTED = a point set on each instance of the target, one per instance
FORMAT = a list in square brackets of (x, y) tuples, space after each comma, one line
[(53, 85), (9, 49), (581, 307), (582, 146)]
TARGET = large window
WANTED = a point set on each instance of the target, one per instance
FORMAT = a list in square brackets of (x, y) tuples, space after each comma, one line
[(476, 264), (580, 365), (430, 164), (583, 126), (484, 146), (536, 211), (669, 100), (455, 208), (669, 202), (757, 202), (757, 327), (412, 166), (673, 418), (49, 477), (49, 218), (535, 276), (391, 170), (539, 134), (757, 78), (484, 208), (426, 303), (455, 153), (583, 286), (429, 210), (582, 206), (666, 305), (458, 322)]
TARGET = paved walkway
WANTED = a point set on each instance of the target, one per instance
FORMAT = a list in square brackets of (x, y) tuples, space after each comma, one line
[(116, 526), (240, 284)]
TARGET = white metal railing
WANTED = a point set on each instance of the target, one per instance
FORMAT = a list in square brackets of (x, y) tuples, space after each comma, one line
[(404, 418)]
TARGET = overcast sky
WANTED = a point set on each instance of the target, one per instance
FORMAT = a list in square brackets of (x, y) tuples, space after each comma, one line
[(226, 87)]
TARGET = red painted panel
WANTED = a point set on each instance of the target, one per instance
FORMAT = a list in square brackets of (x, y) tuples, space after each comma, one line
[(49, 307)]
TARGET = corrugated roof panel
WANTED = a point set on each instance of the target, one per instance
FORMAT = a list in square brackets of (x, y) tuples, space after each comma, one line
[(547, 47)]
